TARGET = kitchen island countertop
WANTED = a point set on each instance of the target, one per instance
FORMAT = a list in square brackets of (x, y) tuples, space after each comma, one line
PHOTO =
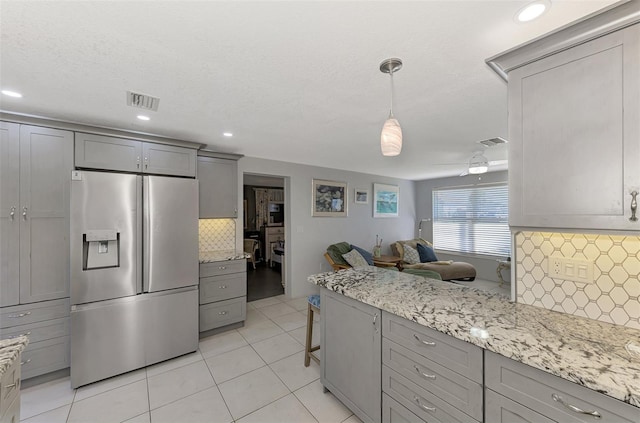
[(9, 351), (594, 354), (222, 255)]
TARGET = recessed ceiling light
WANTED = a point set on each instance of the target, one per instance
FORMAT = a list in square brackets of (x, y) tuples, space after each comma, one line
[(12, 93), (227, 134), (533, 10), (143, 117)]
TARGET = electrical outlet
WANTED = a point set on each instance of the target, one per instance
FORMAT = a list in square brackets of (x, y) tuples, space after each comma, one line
[(570, 269)]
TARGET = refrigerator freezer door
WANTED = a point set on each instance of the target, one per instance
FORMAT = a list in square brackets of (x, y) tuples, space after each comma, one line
[(105, 223), (170, 233)]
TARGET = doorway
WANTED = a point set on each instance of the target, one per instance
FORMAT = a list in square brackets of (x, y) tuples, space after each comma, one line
[(264, 223)]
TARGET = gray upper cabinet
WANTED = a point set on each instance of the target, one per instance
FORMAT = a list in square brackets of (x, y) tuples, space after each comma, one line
[(36, 172), (574, 132), (218, 187), (351, 355), (120, 154)]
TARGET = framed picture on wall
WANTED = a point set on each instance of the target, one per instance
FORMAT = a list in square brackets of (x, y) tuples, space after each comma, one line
[(329, 198), (361, 196), (385, 200)]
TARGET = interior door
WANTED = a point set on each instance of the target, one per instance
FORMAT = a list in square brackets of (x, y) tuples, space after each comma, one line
[(170, 233)]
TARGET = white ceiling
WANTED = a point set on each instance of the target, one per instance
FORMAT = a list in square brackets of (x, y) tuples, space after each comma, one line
[(294, 81)]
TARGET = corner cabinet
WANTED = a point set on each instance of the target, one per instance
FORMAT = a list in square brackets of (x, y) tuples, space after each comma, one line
[(574, 134), (218, 187), (350, 362), (110, 153)]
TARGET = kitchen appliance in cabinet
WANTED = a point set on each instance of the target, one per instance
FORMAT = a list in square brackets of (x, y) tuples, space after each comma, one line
[(134, 272)]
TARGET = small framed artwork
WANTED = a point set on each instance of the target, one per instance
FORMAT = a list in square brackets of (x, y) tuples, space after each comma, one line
[(329, 198), (385, 200), (361, 196)]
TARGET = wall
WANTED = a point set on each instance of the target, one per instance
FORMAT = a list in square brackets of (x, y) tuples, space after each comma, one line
[(308, 237), (485, 266), (614, 295)]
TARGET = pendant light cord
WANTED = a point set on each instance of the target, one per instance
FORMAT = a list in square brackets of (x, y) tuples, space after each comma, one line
[(391, 106)]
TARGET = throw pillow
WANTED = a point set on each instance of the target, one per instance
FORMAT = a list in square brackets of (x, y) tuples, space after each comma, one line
[(426, 254), (364, 253), (355, 259), (336, 251), (411, 255)]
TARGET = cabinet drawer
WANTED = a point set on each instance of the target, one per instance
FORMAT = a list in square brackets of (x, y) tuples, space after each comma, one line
[(36, 312), (40, 331), (9, 386), (394, 412), (45, 356), (536, 389), (419, 401), (222, 313), (218, 288), (222, 268), (499, 409), (462, 393), (12, 414), (454, 354)]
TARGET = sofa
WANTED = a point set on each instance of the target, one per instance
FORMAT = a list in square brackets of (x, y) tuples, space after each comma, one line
[(448, 270)]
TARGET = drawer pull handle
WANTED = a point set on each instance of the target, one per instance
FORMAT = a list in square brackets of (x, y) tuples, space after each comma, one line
[(222, 313), (427, 343), (424, 375), (634, 206), (424, 407), (22, 363), (222, 287), (17, 316), (21, 334), (222, 267), (558, 398), (14, 384)]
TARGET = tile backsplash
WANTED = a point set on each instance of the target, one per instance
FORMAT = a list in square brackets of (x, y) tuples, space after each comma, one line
[(217, 234), (614, 295)]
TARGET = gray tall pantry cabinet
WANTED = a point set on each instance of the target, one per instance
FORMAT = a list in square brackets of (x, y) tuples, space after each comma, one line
[(35, 172)]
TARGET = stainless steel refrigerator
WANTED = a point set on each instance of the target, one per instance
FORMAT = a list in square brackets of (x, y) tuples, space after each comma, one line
[(134, 272)]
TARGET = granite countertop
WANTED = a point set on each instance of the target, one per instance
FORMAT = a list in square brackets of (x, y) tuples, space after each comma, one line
[(222, 255), (9, 351), (594, 354)]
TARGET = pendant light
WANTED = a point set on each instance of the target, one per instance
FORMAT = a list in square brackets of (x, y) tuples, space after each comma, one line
[(391, 137)]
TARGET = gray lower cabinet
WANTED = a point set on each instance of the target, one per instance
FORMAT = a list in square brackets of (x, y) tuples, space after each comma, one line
[(10, 393), (218, 187), (111, 153), (550, 396), (433, 375), (223, 293), (350, 354), (46, 324)]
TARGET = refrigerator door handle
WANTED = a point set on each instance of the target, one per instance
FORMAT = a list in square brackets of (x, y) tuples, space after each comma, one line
[(139, 233), (146, 234)]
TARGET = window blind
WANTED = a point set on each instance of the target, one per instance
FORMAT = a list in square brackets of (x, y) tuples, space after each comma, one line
[(472, 220)]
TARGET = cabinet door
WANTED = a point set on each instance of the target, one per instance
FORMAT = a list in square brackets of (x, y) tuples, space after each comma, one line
[(169, 160), (351, 360), (100, 152), (46, 161), (9, 213), (574, 129), (218, 187)]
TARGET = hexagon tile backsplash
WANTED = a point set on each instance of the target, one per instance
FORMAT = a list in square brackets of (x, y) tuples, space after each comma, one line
[(614, 295), (217, 234)]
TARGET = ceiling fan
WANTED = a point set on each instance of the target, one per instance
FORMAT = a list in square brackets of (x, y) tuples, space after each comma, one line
[(478, 163)]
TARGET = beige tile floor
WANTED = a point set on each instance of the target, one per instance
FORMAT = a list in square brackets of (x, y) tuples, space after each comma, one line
[(253, 374)]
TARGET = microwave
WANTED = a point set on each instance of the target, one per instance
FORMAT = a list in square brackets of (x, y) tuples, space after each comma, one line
[(274, 208)]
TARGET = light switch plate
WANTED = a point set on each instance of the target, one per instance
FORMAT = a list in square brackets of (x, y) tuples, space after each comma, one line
[(570, 269)]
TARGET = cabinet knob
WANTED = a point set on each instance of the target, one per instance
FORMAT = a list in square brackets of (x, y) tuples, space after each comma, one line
[(24, 213), (146, 162), (634, 206), (138, 162), (12, 213)]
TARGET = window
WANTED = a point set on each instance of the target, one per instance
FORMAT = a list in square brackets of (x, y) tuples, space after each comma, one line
[(472, 220)]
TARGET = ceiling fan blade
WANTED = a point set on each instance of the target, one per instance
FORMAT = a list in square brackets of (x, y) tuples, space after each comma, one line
[(464, 173), (497, 162)]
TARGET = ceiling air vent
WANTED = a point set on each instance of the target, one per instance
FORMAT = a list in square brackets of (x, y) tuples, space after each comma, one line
[(493, 141), (142, 101)]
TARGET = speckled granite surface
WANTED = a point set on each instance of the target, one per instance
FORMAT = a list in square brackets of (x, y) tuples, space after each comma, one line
[(222, 255), (598, 355), (9, 350)]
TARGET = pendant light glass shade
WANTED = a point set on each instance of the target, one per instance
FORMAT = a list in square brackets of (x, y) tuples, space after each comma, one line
[(391, 137), (478, 164)]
